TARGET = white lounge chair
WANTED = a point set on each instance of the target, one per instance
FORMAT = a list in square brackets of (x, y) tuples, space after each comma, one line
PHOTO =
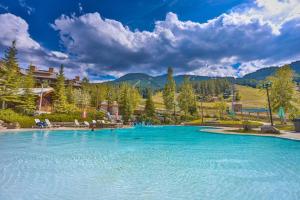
[(50, 125), (77, 124), (86, 123)]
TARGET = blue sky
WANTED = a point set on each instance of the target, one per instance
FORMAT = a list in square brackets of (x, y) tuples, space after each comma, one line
[(103, 39)]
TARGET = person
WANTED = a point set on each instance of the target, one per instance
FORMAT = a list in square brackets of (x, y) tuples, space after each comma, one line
[(93, 127)]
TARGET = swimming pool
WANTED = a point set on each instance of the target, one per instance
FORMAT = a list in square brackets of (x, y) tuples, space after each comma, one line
[(147, 163)]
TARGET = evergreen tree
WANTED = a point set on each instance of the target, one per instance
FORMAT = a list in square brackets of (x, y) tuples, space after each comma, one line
[(28, 105), (10, 78), (70, 93), (128, 98), (126, 104), (187, 98), (60, 102), (283, 88), (149, 107), (169, 91)]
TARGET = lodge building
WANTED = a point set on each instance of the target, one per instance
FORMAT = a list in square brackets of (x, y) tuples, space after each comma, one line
[(45, 83)]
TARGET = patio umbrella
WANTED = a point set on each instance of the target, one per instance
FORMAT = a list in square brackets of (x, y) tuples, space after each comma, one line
[(84, 114), (281, 113)]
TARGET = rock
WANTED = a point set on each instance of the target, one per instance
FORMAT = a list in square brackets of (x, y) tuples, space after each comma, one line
[(14, 125), (297, 124), (269, 129)]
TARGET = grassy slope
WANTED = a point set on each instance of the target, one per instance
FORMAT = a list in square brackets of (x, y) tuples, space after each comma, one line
[(250, 98)]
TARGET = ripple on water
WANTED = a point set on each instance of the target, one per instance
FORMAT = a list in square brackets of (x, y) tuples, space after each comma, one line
[(147, 163)]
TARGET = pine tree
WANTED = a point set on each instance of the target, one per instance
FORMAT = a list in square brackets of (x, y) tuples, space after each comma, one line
[(126, 104), (10, 78), (128, 98), (187, 98), (70, 94), (28, 105), (169, 91), (149, 107), (60, 102)]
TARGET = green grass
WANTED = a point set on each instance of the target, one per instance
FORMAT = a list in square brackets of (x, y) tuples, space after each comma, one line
[(252, 97), (286, 127)]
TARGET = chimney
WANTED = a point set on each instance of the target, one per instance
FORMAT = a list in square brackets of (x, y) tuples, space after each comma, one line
[(51, 69), (77, 78), (32, 68)]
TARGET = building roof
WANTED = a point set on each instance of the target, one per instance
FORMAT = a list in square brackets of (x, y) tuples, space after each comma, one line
[(40, 73), (38, 91)]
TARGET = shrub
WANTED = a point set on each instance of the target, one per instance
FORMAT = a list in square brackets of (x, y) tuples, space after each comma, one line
[(9, 116), (70, 117)]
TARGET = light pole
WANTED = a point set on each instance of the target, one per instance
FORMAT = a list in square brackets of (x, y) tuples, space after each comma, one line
[(41, 98), (268, 85)]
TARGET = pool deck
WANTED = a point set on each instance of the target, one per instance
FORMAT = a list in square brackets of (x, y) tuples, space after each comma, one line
[(221, 130), (54, 129), (226, 130)]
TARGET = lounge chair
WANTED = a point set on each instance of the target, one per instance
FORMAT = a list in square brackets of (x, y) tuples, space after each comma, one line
[(39, 123), (86, 123), (48, 123), (77, 124)]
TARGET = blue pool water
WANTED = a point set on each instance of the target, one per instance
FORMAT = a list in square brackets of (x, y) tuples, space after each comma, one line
[(147, 163)]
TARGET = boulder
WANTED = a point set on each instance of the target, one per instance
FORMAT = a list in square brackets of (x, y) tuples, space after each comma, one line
[(297, 124), (14, 125), (269, 129)]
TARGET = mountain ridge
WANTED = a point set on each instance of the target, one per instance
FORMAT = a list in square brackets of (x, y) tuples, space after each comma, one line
[(157, 82)]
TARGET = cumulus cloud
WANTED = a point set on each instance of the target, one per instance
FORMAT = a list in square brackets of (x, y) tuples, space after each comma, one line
[(248, 37), (29, 50), (256, 35)]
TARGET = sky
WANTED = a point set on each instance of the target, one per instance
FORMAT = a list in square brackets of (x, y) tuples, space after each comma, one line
[(105, 39)]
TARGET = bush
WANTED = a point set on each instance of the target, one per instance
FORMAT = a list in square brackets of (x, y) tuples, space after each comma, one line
[(9, 116), (70, 117)]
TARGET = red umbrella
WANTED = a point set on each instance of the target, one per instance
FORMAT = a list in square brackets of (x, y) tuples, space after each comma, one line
[(84, 115)]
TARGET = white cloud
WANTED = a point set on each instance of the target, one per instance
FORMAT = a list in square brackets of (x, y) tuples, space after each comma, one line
[(28, 8), (3, 7), (80, 8), (59, 55), (256, 35), (15, 28), (29, 50)]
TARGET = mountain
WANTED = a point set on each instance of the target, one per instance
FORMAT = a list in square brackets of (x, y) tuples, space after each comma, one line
[(262, 74), (157, 82)]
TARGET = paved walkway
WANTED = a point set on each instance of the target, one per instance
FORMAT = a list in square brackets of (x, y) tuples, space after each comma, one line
[(222, 130), (284, 134)]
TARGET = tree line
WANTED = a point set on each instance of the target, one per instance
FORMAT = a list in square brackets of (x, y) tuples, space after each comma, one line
[(16, 91)]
